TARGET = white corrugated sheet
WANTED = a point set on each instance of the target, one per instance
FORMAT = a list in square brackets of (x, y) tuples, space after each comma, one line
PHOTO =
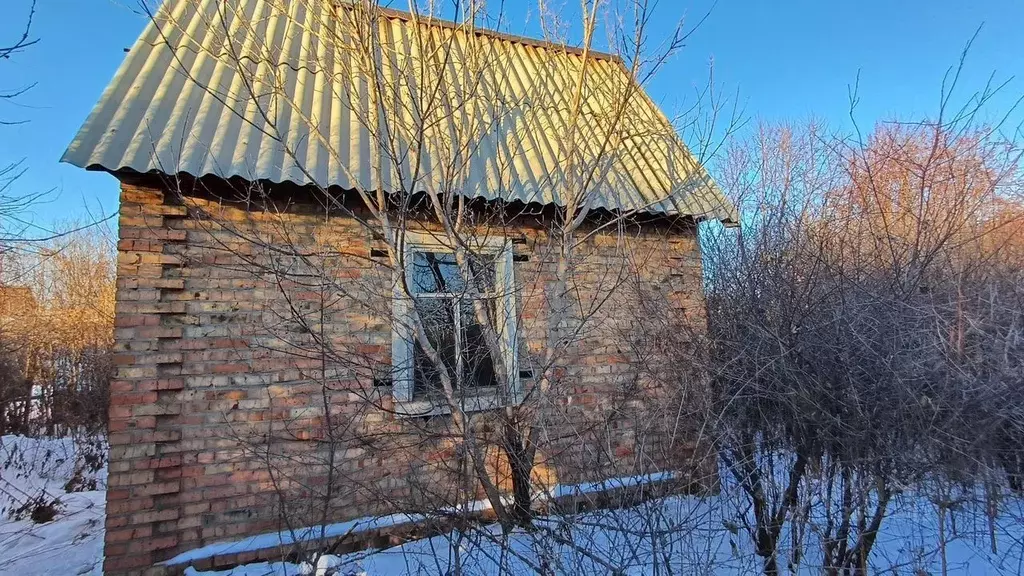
[(308, 92)]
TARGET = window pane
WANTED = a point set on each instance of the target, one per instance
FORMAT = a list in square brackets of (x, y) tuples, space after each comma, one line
[(482, 266), (478, 366), (437, 316), (434, 272)]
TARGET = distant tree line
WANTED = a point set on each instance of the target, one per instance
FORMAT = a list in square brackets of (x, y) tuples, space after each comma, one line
[(56, 333)]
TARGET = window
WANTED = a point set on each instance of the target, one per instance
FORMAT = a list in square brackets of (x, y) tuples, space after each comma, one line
[(454, 303)]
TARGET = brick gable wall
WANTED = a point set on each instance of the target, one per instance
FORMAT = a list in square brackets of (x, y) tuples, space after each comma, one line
[(225, 398)]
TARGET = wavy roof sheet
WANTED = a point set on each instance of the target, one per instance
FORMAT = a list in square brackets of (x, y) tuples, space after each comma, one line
[(310, 92)]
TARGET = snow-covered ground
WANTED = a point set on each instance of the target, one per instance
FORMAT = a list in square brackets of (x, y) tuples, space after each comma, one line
[(677, 535), (70, 544)]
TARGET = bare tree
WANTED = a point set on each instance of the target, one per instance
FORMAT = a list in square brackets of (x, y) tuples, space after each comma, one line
[(585, 260), (12, 204)]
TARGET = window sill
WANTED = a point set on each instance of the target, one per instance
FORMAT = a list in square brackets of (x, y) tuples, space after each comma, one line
[(422, 407)]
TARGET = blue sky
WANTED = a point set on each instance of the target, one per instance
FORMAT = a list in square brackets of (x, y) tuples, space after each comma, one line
[(788, 60)]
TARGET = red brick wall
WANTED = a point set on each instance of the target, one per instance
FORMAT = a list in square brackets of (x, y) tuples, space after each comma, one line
[(224, 400)]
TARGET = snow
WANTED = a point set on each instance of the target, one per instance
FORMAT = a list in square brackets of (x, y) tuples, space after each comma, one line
[(289, 537), (72, 543), (258, 569), (560, 490), (679, 534), (683, 535), (332, 531)]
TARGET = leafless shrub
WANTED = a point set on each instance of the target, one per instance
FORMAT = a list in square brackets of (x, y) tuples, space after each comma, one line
[(865, 325)]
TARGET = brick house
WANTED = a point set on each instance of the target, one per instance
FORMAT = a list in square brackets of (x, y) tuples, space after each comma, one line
[(265, 347)]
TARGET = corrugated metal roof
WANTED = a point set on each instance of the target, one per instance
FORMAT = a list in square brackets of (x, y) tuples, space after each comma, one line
[(279, 90)]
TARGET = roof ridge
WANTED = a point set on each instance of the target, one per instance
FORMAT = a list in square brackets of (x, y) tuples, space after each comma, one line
[(431, 20)]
